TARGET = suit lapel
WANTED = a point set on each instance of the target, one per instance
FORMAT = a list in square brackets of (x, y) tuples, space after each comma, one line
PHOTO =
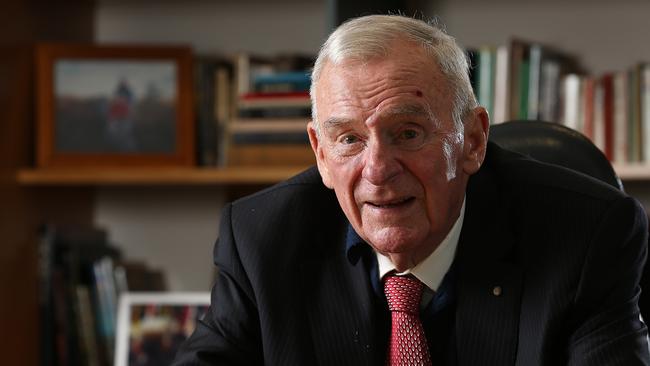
[(489, 283), (341, 306)]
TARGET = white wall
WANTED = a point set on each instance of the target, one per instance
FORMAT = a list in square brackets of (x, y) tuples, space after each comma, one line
[(221, 26), (175, 228)]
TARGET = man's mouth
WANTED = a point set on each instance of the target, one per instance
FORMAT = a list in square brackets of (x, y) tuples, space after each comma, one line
[(391, 203)]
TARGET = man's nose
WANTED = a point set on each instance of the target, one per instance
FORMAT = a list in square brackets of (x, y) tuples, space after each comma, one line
[(380, 164)]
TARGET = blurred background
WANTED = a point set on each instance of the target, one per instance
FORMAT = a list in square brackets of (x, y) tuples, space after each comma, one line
[(168, 222)]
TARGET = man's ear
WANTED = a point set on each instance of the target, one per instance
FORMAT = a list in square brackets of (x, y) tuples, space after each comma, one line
[(320, 154), (477, 129)]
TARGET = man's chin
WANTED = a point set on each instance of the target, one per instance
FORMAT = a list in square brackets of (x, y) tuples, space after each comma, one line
[(393, 247)]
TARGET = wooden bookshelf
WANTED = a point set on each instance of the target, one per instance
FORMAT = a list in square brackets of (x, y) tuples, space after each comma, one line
[(245, 175)]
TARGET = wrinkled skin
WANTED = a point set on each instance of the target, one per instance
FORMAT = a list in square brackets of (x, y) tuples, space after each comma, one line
[(385, 141)]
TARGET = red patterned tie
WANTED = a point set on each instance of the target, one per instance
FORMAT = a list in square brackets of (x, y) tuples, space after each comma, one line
[(408, 344)]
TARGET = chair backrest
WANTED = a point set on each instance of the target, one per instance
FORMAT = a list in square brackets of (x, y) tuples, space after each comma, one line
[(556, 144)]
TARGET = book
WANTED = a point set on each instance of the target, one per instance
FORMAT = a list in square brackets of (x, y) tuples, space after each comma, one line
[(635, 150), (607, 81), (272, 125), (486, 74), (85, 328), (290, 81), (274, 112), (502, 85), (534, 87), (71, 250), (213, 105), (571, 101), (645, 110), (518, 78), (274, 100), (620, 118), (549, 95), (588, 106)]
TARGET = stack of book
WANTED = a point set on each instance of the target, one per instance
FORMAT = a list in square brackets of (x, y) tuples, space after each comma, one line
[(520, 80), (272, 112), (613, 110), (214, 105), (528, 81), (81, 277)]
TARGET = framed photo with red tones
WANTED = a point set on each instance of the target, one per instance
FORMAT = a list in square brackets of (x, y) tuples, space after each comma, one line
[(104, 105), (151, 326)]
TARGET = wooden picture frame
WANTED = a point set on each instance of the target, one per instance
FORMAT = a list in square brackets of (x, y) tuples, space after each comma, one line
[(107, 105)]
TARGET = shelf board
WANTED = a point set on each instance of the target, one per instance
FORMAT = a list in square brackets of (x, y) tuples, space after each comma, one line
[(633, 172), (156, 176), (206, 176)]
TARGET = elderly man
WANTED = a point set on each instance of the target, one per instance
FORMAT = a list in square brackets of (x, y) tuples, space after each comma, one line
[(417, 242)]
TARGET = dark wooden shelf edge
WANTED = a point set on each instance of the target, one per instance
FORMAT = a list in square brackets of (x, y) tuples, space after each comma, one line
[(245, 175)]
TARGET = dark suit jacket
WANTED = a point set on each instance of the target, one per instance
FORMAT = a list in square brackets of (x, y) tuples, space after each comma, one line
[(566, 251)]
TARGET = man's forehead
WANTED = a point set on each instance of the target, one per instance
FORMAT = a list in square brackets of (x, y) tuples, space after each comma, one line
[(396, 111)]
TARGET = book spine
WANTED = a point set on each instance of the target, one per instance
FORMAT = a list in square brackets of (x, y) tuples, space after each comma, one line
[(486, 80), (645, 111), (599, 116), (502, 86), (571, 101), (550, 91), (46, 300), (620, 118), (535, 70), (608, 115)]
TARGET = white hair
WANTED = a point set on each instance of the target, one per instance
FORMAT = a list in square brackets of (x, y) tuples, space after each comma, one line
[(368, 37)]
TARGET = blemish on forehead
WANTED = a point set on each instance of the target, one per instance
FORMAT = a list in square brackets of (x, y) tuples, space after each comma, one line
[(418, 93)]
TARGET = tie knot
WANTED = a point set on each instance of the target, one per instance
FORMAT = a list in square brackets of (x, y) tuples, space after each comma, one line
[(403, 293)]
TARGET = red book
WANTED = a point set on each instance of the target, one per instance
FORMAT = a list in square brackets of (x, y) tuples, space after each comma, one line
[(608, 113)]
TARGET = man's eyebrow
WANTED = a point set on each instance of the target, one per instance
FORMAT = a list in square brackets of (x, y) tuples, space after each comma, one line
[(336, 121)]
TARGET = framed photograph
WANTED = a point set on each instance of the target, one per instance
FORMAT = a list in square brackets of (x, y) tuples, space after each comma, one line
[(113, 105), (151, 326)]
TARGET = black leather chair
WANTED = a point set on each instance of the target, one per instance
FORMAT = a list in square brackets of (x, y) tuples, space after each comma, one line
[(557, 144)]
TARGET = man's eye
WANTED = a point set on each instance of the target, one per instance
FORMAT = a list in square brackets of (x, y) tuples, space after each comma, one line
[(409, 134), (349, 139)]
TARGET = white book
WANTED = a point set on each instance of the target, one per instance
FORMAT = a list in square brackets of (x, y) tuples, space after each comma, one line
[(571, 101), (502, 85)]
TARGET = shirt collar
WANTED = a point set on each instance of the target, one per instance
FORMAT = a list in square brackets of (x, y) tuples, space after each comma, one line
[(433, 268)]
